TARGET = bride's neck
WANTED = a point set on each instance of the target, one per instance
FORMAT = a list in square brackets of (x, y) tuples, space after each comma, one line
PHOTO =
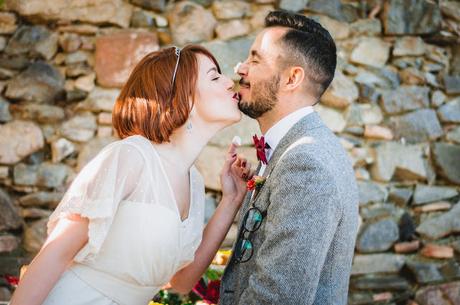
[(186, 144)]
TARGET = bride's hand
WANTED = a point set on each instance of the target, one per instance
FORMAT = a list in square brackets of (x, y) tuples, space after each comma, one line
[(234, 176)]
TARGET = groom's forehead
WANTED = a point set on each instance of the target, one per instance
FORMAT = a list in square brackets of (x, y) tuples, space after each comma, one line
[(267, 42)]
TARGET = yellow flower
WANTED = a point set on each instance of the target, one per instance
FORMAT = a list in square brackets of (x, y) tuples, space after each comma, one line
[(155, 303)]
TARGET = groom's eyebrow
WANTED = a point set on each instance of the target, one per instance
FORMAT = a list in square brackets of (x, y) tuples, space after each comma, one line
[(256, 54)]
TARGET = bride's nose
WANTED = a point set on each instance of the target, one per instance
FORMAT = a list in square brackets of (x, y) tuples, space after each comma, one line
[(229, 84)]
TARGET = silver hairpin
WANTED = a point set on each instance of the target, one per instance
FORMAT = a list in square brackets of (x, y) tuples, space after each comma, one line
[(177, 52)]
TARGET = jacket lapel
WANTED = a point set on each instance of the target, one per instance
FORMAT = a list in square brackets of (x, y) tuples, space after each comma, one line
[(294, 134)]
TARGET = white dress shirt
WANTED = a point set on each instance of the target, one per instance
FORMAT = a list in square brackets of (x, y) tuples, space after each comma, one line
[(274, 135)]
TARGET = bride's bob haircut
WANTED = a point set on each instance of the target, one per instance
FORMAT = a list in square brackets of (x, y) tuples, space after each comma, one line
[(150, 103)]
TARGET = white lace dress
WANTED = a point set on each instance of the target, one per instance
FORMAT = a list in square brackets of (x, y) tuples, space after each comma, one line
[(137, 240)]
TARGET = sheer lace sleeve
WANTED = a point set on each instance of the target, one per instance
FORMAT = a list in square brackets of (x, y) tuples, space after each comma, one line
[(97, 191)]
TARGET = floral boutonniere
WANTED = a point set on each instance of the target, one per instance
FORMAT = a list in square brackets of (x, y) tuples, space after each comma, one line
[(255, 183)]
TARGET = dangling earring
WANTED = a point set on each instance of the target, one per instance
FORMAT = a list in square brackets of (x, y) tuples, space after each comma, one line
[(189, 126)]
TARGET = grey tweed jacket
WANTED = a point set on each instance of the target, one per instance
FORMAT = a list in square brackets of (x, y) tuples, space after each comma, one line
[(304, 247)]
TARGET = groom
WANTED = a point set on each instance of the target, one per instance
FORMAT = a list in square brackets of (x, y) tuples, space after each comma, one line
[(298, 227)]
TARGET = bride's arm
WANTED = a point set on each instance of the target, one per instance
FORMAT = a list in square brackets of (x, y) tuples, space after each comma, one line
[(234, 190), (213, 235), (67, 238)]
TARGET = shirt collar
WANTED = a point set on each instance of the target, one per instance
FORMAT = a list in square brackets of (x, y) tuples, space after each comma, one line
[(274, 135)]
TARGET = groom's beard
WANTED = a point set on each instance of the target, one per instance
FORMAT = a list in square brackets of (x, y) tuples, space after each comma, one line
[(264, 97)]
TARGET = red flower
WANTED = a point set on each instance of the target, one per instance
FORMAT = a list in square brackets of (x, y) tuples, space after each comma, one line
[(12, 280), (210, 293), (251, 185)]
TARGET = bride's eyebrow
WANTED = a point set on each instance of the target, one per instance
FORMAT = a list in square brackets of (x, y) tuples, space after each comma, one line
[(212, 69)]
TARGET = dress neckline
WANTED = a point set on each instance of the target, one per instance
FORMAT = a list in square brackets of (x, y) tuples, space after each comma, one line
[(171, 191)]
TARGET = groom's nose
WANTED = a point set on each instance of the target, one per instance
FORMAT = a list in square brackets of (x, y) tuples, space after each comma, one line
[(243, 69)]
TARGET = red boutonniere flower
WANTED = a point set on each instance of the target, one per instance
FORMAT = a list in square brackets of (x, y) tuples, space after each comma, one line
[(255, 183), (12, 280)]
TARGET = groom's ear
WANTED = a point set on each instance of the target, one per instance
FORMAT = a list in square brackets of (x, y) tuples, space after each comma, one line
[(295, 77)]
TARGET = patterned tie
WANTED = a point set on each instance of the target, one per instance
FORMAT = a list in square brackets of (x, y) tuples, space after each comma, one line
[(261, 146)]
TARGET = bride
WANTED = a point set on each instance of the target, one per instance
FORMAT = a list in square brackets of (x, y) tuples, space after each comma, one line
[(132, 220)]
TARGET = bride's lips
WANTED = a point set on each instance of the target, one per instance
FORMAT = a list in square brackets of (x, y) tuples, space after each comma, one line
[(236, 97)]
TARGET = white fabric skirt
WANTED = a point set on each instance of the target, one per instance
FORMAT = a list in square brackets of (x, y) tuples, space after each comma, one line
[(71, 290)]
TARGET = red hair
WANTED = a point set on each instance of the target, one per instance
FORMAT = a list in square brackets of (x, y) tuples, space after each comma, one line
[(149, 103)]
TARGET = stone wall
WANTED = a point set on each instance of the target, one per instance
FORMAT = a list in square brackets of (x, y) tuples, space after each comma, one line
[(394, 102)]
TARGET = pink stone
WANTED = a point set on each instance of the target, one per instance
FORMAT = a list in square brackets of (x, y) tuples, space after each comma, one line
[(118, 53)]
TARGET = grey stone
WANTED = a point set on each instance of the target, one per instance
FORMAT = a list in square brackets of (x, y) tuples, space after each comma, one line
[(377, 236), (450, 112), (52, 175), (372, 52), (363, 114), (371, 192), (8, 23), (229, 53), (380, 210), (331, 8), (438, 98), (454, 135), (35, 213), (426, 194), (232, 29), (9, 217), (293, 5), (230, 9), (450, 271), (400, 195), (444, 294), (100, 99), (451, 9), (417, 126), (80, 128), (401, 17), (5, 115), (35, 235), (367, 27), (377, 263), (115, 12), (46, 174), (447, 159), (156, 5), (341, 93), (5, 294), (425, 272), (40, 199), (452, 84), (403, 162), (210, 207), (40, 83), (405, 98), (409, 46), (380, 282), (333, 118), (141, 19), (91, 149), (443, 225), (19, 139), (8, 243), (245, 129), (25, 174), (61, 149), (39, 113), (35, 41), (191, 23)]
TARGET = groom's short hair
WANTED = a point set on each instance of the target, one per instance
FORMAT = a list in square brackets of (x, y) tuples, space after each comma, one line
[(308, 45)]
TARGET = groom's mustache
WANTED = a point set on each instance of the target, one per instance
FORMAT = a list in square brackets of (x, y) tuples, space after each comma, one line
[(242, 82)]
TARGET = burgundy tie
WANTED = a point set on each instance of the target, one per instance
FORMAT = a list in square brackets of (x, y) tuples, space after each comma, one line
[(260, 146)]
